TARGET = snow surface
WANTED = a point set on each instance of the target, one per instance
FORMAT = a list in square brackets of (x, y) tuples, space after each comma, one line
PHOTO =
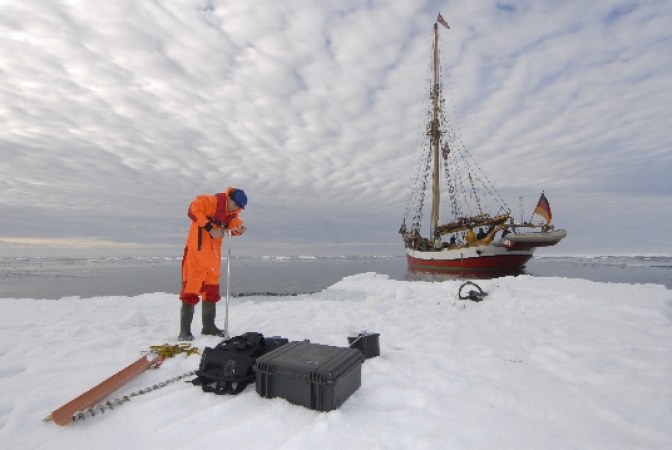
[(542, 363)]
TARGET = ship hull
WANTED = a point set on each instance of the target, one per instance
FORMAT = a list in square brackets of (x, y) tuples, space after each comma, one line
[(486, 258)]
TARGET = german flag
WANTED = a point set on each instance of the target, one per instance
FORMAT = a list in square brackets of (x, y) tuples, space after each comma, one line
[(543, 208)]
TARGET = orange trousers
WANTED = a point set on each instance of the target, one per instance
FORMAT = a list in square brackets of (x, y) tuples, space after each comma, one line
[(200, 276)]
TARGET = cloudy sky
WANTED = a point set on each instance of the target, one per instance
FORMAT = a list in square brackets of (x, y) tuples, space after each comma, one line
[(114, 116)]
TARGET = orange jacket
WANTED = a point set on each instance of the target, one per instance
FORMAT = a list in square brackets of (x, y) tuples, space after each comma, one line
[(207, 212)]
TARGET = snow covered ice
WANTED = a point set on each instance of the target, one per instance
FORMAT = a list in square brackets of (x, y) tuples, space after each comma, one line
[(550, 363)]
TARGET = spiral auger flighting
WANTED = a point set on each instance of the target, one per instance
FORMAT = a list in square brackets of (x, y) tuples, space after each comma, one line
[(91, 402), (101, 408)]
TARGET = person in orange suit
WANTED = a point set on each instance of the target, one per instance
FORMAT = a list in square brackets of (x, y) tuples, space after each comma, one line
[(211, 217)]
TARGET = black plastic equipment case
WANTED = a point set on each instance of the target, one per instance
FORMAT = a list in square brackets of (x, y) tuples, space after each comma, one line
[(273, 342), (319, 377)]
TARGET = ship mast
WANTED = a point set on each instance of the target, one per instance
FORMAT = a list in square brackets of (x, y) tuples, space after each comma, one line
[(434, 131)]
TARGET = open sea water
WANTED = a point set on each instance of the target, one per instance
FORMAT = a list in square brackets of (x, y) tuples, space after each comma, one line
[(54, 278)]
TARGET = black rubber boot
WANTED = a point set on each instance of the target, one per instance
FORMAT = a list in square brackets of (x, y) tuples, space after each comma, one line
[(209, 313), (186, 314)]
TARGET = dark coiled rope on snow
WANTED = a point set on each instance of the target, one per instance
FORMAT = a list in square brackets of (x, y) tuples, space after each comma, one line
[(472, 295)]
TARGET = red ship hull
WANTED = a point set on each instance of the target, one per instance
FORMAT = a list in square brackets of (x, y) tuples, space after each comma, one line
[(492, 263)]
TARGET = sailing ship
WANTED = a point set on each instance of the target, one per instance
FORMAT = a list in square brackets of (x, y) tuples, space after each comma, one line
[(480, 233)]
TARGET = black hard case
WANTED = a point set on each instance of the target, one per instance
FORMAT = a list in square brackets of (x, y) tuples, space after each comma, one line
[(319, 377)]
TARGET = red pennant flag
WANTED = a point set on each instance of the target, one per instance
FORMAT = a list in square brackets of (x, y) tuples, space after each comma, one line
[(543, 208), (442, 21)]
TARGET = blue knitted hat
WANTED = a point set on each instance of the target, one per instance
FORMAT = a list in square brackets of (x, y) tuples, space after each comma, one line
[(239, 197)]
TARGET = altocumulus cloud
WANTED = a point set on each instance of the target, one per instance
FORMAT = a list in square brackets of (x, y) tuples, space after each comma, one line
[(116, 115)]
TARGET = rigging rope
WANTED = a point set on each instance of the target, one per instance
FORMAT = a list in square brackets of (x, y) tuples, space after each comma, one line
[(462, 175), (416, 196), (457, 133)]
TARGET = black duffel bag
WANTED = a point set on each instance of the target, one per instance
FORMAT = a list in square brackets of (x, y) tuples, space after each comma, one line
[(228, 368)]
